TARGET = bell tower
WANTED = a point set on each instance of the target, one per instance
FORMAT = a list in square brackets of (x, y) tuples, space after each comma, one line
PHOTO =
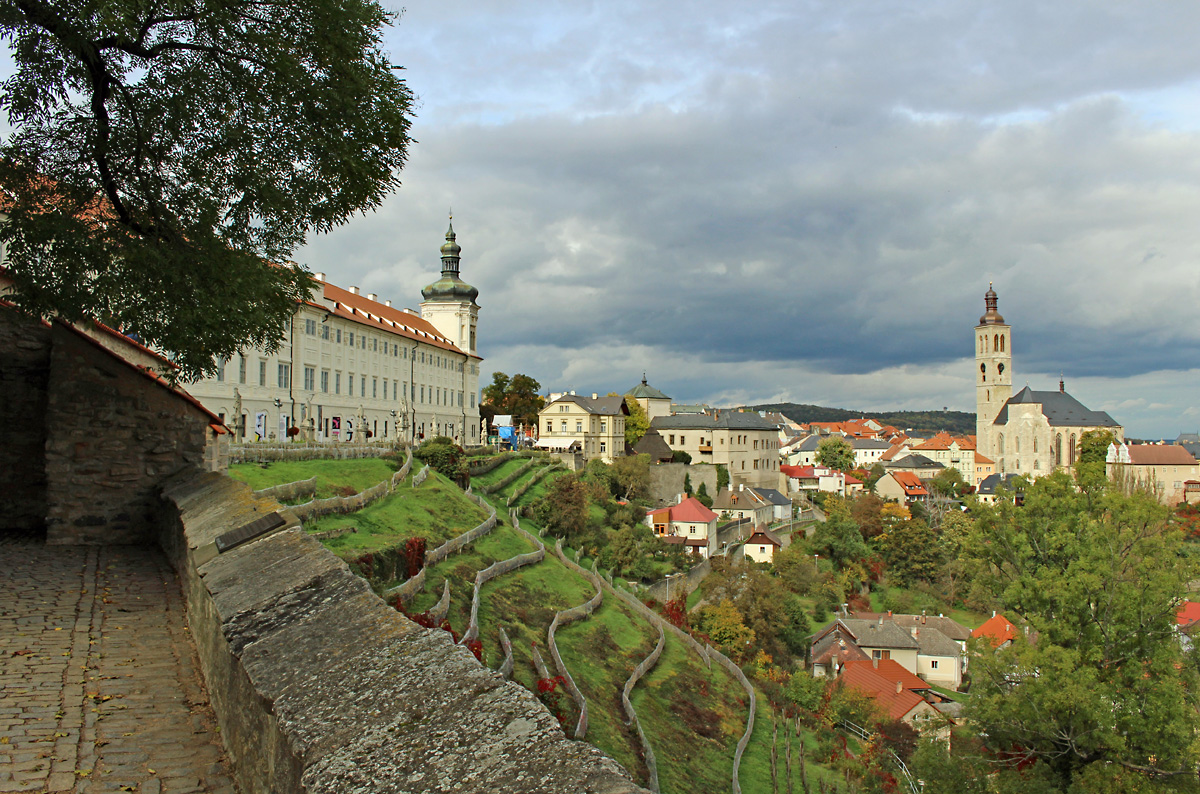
[(449, 303), (993, 372)]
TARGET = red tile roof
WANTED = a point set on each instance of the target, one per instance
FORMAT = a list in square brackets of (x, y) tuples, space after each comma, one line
[(893, 671), (998, 629), (910, 482), (1189, 613), (863, 677), (360, 309), (692, 510), (983, 460)]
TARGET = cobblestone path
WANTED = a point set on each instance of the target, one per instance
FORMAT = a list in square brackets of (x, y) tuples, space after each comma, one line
[(99, 685)]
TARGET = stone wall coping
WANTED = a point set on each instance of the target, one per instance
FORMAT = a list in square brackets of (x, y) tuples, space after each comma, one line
[(319, 686)]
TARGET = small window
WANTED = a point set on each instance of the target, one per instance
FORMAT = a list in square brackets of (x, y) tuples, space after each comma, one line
[(351, 339), (549, 427), (933, 664), (762, 549), (603, 446)]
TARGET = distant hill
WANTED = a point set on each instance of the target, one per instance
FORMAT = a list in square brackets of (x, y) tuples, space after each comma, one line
[(957, 422)]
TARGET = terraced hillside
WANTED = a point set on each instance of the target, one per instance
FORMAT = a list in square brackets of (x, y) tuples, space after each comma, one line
[(692, 710)]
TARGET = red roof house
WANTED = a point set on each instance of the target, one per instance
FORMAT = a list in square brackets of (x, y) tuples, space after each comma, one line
[(998, 630)]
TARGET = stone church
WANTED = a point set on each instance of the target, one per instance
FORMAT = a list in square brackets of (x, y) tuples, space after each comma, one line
[(1031, 433)]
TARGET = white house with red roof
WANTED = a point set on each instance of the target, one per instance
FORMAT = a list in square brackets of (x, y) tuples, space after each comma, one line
[(762, 545), (688, 523), (997, 630), (901, 486), (353, 367), (814, 478)]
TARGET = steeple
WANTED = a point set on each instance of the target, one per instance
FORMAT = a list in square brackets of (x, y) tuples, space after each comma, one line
[(991, 316), (450, 287)]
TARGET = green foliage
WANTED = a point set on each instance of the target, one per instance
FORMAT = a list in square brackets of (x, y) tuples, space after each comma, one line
[(948, 483), (838, 539), (631, 476), (1090, 467), (723, 624), (836, 453), (517, 396), (637, 423), (806, 691), (912, 552), (679, 456), (796, 568), (722, 477), (627, 550), (563, 511), (443, 456), (1097, 577), (796, 630), (687, 483), (166, 161), (702, 495), (866, 512)]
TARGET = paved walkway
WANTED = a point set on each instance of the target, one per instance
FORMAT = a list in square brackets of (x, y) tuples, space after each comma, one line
[(99, 686)]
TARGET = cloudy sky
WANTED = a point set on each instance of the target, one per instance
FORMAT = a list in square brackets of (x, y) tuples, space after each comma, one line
[(805, 201)]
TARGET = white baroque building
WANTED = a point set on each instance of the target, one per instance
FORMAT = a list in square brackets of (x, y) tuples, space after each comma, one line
[(353, 367)]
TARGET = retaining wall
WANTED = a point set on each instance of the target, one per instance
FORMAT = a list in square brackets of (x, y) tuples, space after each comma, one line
[(320, 687), (349, 504), (570, 616), (289, 491), (537, 477), (508, 480), (644, 666), (728, 664), (268, 452)]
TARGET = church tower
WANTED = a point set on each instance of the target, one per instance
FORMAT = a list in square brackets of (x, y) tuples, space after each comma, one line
[(993, 372), (449, 303)]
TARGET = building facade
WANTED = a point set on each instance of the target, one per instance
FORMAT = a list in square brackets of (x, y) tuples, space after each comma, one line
[(742, 441), (1034, 432), (353, 368), (593, 427)]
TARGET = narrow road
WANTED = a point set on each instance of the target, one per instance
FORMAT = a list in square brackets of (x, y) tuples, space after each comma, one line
[(99, 683)]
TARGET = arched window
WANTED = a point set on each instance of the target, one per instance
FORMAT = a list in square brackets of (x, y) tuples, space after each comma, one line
[(1001, 343), (1035, 443), (996, 342), (1017, 444), (1058, 450), (1000, 443), (1071, 451), (1036, 464)]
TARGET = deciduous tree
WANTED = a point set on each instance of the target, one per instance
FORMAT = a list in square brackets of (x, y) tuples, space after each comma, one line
[(637, 423), (836, 453), (166, 159)]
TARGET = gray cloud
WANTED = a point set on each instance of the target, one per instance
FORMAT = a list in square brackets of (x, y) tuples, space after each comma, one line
[(804, 200)]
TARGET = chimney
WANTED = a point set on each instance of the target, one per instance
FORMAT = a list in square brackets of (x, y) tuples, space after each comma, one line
[(319, 277), (881, 620), (875, 662), (889, 613), (387, 303), (899, 687), (595, 396), (741, 486), (353, 290), (371, 296), (993, 613)]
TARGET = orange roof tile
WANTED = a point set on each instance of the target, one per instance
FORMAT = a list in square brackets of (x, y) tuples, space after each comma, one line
[(910, 482), (896, 705), (361, 309), (693, 510), (1189, 613), (998, 629), (983, 459), (893, 671)]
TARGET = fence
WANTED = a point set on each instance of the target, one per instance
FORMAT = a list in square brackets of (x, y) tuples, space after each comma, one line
[(570, 616), (273, 452), (661, 590), (506, 645), (536, 478), (289, 490), (645, 666), (509, 479), (438, 612), (491, 572), (348, 504), (728, 664), (865, 735), (421, 476)]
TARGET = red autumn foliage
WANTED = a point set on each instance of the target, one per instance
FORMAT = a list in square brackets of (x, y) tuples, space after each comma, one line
[(552, 697), (414, 555), (676, 613)]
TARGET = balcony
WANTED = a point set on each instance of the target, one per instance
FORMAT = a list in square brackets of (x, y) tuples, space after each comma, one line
[(706, 449)]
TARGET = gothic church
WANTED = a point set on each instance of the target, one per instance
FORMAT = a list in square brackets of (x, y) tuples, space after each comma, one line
[(1034, 432)]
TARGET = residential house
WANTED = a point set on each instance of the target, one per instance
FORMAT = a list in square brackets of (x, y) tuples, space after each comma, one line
[(921, 465), (984, 467), (762, 545), (594, 427), (867, 451), (986, 491), (743, 504), (876, 638), (1160, 468), (890, 691), (810, 479), (901, 486), (941, 645), (742, 441), (781, 506), (688, 523), (997, 630), (854, 486), (955, 452), (803, 451)]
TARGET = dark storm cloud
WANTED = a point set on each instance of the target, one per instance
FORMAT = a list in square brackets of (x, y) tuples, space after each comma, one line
[(823, 189)]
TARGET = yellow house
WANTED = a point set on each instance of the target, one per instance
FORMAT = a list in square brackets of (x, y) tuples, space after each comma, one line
[(594, 427)]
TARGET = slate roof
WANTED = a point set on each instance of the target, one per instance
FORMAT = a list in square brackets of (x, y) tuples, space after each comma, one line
[(773, 496), (989, 484), (747, 499), (652, 444), (602, 406), (931, 642), (688, 408), (1192, 447), (1059, 408), (723, 420), (868, 443), (914, 461), (762, 536), (873, 634)]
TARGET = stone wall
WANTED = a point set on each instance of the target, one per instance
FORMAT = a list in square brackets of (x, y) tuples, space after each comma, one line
[(644, 666), (320, 687), (666, 481), (24, 373), (289, 491), (268, 452), (113, 434)]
